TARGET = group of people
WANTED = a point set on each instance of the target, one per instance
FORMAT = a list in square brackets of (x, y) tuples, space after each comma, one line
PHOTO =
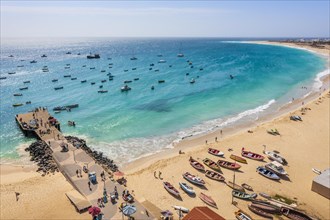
[(79, 173)]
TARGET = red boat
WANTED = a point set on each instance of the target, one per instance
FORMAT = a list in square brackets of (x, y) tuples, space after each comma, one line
[(208, 200), (171, 189), (215, 152), (228, 165), (294, 214), (197, 165), (252, 155)]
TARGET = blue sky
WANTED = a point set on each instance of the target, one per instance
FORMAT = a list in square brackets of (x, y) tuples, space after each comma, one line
[(165, 18)]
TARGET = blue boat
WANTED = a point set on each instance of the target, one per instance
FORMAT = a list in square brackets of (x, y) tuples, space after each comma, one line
[(266, 173), (188, 189)]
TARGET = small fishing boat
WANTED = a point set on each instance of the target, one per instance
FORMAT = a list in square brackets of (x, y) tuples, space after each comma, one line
[(33, 61), (66, 76), (159, 55), (193, 179), (260, 212), (201, 69), (93, 56), (74, 78), (133, 58), (266, 173), (102, 71), (102, 91), (125, 88), (28, 81), (11, 73), (240, 215), (213, 165), (134, 68), (17, 104), (180, 55), (18, 94), (265, 195), (23, 88), (161, 81), (228, 165), (68, 52), (157, 70), (11, 56), (152, 64), (127, 81), (266, 207), (58, 88), (171, 189), (276, 157), (295, 118), (162, 61), (294, 214), (44, 55), (92, 68), (3, 77), (71, 123), (136, 79), (197, 165), (252, 155), (92, 83), (238, 158), (214, 175), (276, 167), (152, 87), (243, 195), (192, 81), (28, 102), (215, 152), (317, 171), (181, 208), (103, 81), (83, 81), (188, 189), (247, 187), (20, 66), (125, 70), (208, 200), (235, 186), (101, 86)]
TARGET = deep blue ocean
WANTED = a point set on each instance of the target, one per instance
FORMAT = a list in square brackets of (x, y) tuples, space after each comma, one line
[(127, 125)]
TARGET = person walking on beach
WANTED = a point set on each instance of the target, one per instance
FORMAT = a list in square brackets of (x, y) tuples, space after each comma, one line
[(205, 141), (77, 172), (80, 172), (160, 173), (221, 132), (155, 175), (89, 185), (17, 194), (216, 139)]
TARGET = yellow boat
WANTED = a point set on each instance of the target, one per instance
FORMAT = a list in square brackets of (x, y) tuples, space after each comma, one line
[(238, 158), (213, 165)]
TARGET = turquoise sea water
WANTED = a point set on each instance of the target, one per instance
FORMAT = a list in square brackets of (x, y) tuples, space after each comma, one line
[(127, 125)]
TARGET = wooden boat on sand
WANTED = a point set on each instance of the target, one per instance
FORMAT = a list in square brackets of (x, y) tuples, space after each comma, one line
[(193, 179), (294, 214), (215, 152), (247, 187), (188, 189), (251, 155), (235, 186), (266, 173), (171, 189), (238, 158), (213, 165), (260, 212), (197, 165), (228, 165), (208, 200), (266, 207), (240, 215), (243, 195), (214, 175), (276, 167), (276, 157)]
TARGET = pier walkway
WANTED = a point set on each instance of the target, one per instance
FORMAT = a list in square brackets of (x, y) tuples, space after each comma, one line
[(74, 159)]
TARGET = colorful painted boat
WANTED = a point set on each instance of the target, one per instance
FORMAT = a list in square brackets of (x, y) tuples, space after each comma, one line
[(243, 195), (251, 155), (213, 165), (214, 175), (188, 189), (197, 165), (193, 179), (266, 173), (238, 158), (276, 157), (266, 207), (294, 214), (260, 212), (240, 215), (215, 152), (208, 200), (171, 189), (228, 165)]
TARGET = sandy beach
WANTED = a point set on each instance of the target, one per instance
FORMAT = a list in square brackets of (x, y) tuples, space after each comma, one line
[(305, 145)]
